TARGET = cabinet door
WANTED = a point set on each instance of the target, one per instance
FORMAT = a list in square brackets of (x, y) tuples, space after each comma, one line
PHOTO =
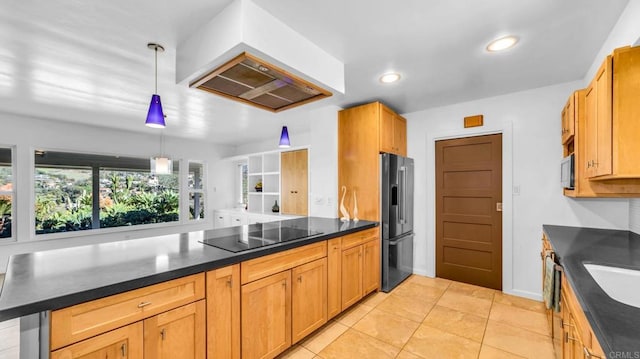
[(591, 130), (351, 276), (122, 343), (334, 257), (221, 220), (568, 120), (308, 298), (176, 334), (371, 267), (266, 316), (400, 135), (294, 182), (223, 311), (604, 119), (386, 130)]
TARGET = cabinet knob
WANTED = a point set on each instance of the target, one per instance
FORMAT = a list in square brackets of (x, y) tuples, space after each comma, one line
[(123, 350), (163, 333), (299, 279), (229, 283)]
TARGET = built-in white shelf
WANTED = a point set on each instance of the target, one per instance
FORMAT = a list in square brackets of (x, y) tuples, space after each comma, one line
[(265, 168)]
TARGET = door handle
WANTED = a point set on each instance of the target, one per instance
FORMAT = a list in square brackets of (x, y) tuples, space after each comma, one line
[(499, 207), (403, 195)]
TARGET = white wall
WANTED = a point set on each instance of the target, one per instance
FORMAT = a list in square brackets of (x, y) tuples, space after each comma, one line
[(322, 141), (27, 134), (530, 122)]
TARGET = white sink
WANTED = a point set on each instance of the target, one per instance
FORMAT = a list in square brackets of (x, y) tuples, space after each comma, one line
[(619, 283)]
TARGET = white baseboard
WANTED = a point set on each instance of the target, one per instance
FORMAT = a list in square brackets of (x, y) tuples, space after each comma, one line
[(525, 294)]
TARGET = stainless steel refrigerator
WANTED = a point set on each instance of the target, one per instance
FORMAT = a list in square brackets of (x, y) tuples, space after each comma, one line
[(397, 219)]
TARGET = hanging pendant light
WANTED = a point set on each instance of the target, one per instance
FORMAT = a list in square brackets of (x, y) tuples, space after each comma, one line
[(161, 164), (155, 116), (284, 138)]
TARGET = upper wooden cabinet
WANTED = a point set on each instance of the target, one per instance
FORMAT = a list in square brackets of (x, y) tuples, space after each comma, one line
[(294, 182), (393, 132), (612, 111), (363, 132), (568, 119)]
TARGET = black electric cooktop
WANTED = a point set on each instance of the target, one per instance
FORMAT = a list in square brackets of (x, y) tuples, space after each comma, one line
[(256, 236)]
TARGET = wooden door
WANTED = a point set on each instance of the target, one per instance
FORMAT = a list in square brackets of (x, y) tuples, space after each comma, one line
[(604, 120), (294, 182), (351, 276), (223, 309), (266, 316), (334, 286), (122, 343), (386, 130), (400, 135), (370, 267), (308, 298), (591, 131), (177, 334), (468, 210)]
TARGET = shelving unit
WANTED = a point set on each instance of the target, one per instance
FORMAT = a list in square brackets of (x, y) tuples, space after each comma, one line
[(264, 167)]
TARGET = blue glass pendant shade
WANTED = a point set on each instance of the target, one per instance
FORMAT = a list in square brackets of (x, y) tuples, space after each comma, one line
[(284, 138), (155, 117)]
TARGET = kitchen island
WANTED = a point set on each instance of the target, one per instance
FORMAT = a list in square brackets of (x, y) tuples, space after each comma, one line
[(309, 253)]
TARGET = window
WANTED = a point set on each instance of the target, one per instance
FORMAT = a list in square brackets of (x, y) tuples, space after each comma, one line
[(7, 193), (126, 192), (196, 191), (243, 169)]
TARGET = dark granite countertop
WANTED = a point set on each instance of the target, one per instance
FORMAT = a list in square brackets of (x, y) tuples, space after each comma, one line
[(55, 279), (616, 325)]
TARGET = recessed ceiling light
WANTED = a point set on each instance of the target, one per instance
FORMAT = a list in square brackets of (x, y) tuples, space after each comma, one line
[(502, 43), (390, 77)]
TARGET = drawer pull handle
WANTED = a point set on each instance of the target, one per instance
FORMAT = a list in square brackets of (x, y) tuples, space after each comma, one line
[(588, 354), (300, 279), (284, 284), (229, 283), (143, 304)]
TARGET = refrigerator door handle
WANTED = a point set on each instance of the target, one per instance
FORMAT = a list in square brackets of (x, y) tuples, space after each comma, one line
[(400, 239), (403, 174)]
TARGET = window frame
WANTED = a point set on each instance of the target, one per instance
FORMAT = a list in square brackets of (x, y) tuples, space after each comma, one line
[(239, 173), (184, 212), (96, 231), (13, 193)]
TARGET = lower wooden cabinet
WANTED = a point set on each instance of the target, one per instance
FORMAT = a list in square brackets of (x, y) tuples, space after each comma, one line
[(223, 311), (121, 343), (334, 288), (177, 334), (266, 316), (308, 298), (360, 271)]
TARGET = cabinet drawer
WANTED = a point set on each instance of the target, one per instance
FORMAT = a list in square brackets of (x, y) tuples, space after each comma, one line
[(82, 321), (264, 266), (355, 239)]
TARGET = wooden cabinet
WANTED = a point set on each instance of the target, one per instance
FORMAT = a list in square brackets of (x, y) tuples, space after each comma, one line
[(612, 127), (363, 132), (308, 298), (223, 311), (121, 343), (178, 333), (393, 132), (568, 120), (360, 267), (266, 316), (334, 290), (294, 182)]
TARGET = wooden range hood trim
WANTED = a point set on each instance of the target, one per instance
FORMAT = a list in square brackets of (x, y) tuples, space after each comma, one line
[(297, 82)]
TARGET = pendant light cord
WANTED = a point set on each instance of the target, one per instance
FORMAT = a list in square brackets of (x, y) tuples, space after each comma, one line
[(156, 50)]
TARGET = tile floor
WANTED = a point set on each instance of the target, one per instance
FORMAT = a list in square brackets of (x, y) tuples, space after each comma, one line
[(433, 318)]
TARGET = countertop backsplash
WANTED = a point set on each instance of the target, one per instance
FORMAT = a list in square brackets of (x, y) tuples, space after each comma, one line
[(634, 215)]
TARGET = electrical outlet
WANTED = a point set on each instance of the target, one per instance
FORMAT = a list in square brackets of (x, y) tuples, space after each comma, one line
[(329, 201)]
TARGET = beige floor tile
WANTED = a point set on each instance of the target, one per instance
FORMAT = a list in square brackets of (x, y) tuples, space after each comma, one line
[(429, 342), (324, 336), (521, 318), (353, 314), (429, 282), (297, 352), (456, 322), (407, 355), (518, 341), (373, 299), (488, 352), (412, 290), (519, 302), (465, 303), (354, 344), (389, 328), (472, 290), (412, 308)]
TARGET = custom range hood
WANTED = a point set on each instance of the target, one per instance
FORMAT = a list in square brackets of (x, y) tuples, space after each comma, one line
[(246, 54), (251, 80)]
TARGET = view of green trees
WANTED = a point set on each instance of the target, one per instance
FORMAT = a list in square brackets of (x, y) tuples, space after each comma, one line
[(5, 202), (64, 199)]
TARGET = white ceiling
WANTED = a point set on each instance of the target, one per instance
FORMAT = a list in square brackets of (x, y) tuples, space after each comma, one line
[(87, 61)]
